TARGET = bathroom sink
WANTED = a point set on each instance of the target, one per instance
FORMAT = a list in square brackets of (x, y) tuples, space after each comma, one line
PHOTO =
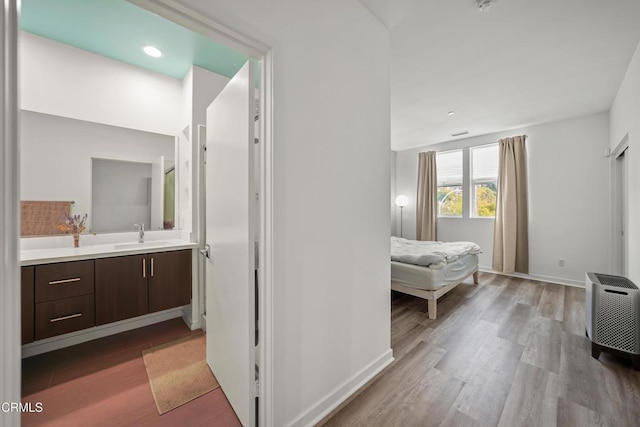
[(135, 245)]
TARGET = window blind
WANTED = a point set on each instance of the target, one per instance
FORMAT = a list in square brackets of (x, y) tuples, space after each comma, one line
[(484, 163), (449, 167)]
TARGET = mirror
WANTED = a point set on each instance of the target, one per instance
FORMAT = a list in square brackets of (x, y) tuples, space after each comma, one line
[(124, 193), (78, 106), (97, 169)]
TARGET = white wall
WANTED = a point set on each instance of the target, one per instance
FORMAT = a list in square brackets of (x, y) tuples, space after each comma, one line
[(56, 155), (206, 86), (331, 184), (185, 201), (199, 88), (624, 117), (568, 214), (66, 81)]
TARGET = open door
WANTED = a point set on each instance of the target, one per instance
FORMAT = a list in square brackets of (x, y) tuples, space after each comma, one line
[(230, 216)]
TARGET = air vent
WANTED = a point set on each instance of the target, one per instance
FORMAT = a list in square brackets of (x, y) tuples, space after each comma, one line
[(460, 133), (484, 4), (618, 281)]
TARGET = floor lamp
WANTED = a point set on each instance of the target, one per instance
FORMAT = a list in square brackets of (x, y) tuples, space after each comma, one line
[(401, 202)]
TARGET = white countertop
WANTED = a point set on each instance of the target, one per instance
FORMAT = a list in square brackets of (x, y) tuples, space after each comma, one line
[(51, 255)]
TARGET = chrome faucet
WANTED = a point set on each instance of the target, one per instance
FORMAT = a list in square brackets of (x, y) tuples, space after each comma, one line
[(140, 232)]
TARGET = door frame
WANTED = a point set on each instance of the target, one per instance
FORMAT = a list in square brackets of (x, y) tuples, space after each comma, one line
[(217, 31), (615, 200), (10, 359), (188, 18), (10, 363)]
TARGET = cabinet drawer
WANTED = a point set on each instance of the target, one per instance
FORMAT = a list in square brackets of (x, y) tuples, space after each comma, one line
[(63, 316), (63, 280)]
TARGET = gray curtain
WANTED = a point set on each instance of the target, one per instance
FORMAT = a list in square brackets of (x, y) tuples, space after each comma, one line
[(511, 235), (427, 212)]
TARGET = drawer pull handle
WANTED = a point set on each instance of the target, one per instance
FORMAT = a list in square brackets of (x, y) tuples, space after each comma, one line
[(59, 282), (71, 316), (151, 267), (144, 267)]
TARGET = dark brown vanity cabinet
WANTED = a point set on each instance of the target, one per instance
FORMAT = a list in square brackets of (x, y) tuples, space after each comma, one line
[(121, 288), (64, 299), (27, 281), (131, 286), (169, 280)]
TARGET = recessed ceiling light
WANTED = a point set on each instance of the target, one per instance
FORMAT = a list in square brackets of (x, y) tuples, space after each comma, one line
[(152, 51), (451, 113)]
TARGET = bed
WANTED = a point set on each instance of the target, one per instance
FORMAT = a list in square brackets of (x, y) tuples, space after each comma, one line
[(429, 270)]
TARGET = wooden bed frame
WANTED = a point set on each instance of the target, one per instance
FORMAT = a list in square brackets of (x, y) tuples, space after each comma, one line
[(431, 296)]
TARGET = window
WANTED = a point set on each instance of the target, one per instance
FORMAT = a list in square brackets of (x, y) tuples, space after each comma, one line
[(449, 166), (484, 181)]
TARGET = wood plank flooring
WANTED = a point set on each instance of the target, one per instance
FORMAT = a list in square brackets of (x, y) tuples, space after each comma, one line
[(506, 352), (104, 383)]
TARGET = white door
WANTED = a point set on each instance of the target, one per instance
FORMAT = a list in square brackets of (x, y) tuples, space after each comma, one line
[(229, 270)]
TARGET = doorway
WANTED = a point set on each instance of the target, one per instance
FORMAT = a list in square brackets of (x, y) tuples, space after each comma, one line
[(259, 52)]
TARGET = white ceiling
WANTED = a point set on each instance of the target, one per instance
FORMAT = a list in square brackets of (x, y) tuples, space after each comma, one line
[(521, 62)]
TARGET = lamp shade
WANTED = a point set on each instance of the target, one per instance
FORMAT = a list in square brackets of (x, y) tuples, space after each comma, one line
[(401, 201)]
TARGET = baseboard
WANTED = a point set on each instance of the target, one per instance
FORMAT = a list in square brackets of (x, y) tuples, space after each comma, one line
[(187, 316), (539, 277), (78, 337), (322, 408)]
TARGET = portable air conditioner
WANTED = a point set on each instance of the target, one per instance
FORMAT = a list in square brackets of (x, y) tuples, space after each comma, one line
[(612, 315)]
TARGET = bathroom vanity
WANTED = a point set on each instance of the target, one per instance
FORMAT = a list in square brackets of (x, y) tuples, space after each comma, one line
[(65, 290)]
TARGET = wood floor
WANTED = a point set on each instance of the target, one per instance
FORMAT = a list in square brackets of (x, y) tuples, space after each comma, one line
[(104, 383), (507, 352)]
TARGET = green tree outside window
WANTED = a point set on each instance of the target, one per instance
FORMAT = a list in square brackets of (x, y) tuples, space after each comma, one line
[(450, 201)]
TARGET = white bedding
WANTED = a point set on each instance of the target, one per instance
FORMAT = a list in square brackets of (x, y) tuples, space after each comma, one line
[(434, 277), (429, 253)]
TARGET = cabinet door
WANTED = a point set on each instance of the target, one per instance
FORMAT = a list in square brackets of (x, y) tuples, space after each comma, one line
[(28, 302), (121, 288), (169, 279)]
